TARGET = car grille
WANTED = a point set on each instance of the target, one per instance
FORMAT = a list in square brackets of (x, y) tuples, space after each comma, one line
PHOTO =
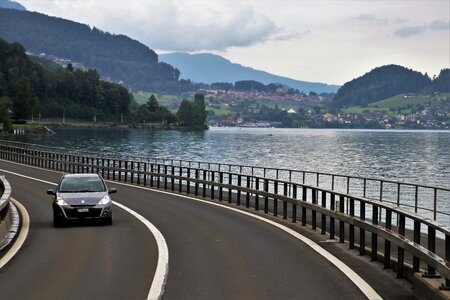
[(92, 213)]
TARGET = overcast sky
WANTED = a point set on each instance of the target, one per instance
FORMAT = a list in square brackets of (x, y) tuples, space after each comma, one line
[(329, 41)]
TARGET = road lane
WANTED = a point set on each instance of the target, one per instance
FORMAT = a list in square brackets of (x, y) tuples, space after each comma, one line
[(80, 261), (219, 254)]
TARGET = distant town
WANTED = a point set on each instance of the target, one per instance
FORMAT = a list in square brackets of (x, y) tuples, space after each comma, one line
[(296, 109)]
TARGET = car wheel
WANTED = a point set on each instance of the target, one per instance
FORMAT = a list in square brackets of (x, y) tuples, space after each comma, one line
[(57, 221), (108, 221)]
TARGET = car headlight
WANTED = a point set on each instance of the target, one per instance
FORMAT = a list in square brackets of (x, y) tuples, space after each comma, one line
[(60, 201), (105, 200)]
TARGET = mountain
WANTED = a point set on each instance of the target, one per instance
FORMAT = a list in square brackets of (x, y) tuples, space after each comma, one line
[(381, 83), (210, 68), (116, 57), (11, 5)]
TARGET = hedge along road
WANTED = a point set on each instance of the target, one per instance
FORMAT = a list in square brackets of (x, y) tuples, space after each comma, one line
[(214, 253)]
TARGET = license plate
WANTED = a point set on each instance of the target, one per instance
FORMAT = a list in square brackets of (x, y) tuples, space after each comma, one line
[(83, 210)]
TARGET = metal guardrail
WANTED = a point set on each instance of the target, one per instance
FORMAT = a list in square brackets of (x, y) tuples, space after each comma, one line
[(430, 201), (5, 190), (341, 214)]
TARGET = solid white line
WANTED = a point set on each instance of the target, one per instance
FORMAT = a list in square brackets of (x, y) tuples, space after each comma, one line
[(162, 268), (21, 237), (362, 285)]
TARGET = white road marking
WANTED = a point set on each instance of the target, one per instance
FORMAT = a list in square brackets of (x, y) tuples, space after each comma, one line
[(362, 285), (25, 228), (162, 268)]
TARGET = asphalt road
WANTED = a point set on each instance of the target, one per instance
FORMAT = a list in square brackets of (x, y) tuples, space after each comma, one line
[(214, 253)]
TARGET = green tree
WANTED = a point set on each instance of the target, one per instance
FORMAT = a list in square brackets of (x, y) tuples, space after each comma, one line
[(193, 114), (24, 102), (152, 104), (5, 104)]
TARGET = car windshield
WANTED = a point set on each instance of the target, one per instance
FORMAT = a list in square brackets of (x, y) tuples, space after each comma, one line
[(81, 185)]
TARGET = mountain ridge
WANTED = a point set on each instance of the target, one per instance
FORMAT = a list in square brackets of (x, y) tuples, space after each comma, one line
[(115, 56), (202, 68), (11, 5)]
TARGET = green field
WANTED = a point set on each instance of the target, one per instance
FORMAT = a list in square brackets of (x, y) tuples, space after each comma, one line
[(170, 101), (399, 101)]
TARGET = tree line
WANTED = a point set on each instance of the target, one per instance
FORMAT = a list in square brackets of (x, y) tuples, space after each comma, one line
[(387, 81), (27, 90)]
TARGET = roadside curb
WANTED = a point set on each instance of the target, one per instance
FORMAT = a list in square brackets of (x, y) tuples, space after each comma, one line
[(14, 227)]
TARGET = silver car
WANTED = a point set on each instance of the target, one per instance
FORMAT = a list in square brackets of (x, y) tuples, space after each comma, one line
[(81, 196)]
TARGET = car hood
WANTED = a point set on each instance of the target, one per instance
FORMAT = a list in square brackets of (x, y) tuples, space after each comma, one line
[(82, 198)]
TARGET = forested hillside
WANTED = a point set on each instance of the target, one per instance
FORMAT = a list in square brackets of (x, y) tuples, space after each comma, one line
[(27, 89), (115, 56), (388, 81)]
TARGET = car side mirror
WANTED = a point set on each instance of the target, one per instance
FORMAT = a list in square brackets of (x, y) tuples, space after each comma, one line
[(112, 191), (51, 192)]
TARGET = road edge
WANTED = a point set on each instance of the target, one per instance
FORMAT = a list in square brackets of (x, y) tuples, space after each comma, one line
[(23, 233)]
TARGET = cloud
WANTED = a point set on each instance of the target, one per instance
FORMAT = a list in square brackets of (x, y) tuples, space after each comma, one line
[(369, 18), (172, 25), (409, 31), (439, 25), (416, 30)]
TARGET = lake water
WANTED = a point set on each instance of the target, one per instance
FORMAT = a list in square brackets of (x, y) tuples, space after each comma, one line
[(421, 157), (412, 156)]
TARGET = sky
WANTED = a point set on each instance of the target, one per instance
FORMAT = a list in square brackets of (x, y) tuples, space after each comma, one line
[(331, 41)]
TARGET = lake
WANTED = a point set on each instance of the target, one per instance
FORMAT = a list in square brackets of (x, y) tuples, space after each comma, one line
[(421, 157), (406, 155)]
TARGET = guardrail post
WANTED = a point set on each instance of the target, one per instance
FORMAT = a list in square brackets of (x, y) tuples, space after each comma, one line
[(341, 223), (294, 206), (401, 251), (126, 171), (323, 219), (374, 246), (220, 187), (351, 233), (416, 261), (120, 170), (188, 181), (362, 232), (275, 200), (204, 184), (152, 169), (387, 244), (165, 177), (447, 258), (313, 212), (213, 178), (285, 193), (172, 181), (239, 183), (196, 182), (256, 195), (158, 177), (230, 182), (247, 195), (304, 195), (266, 198), (333, 208), (431, 272)]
